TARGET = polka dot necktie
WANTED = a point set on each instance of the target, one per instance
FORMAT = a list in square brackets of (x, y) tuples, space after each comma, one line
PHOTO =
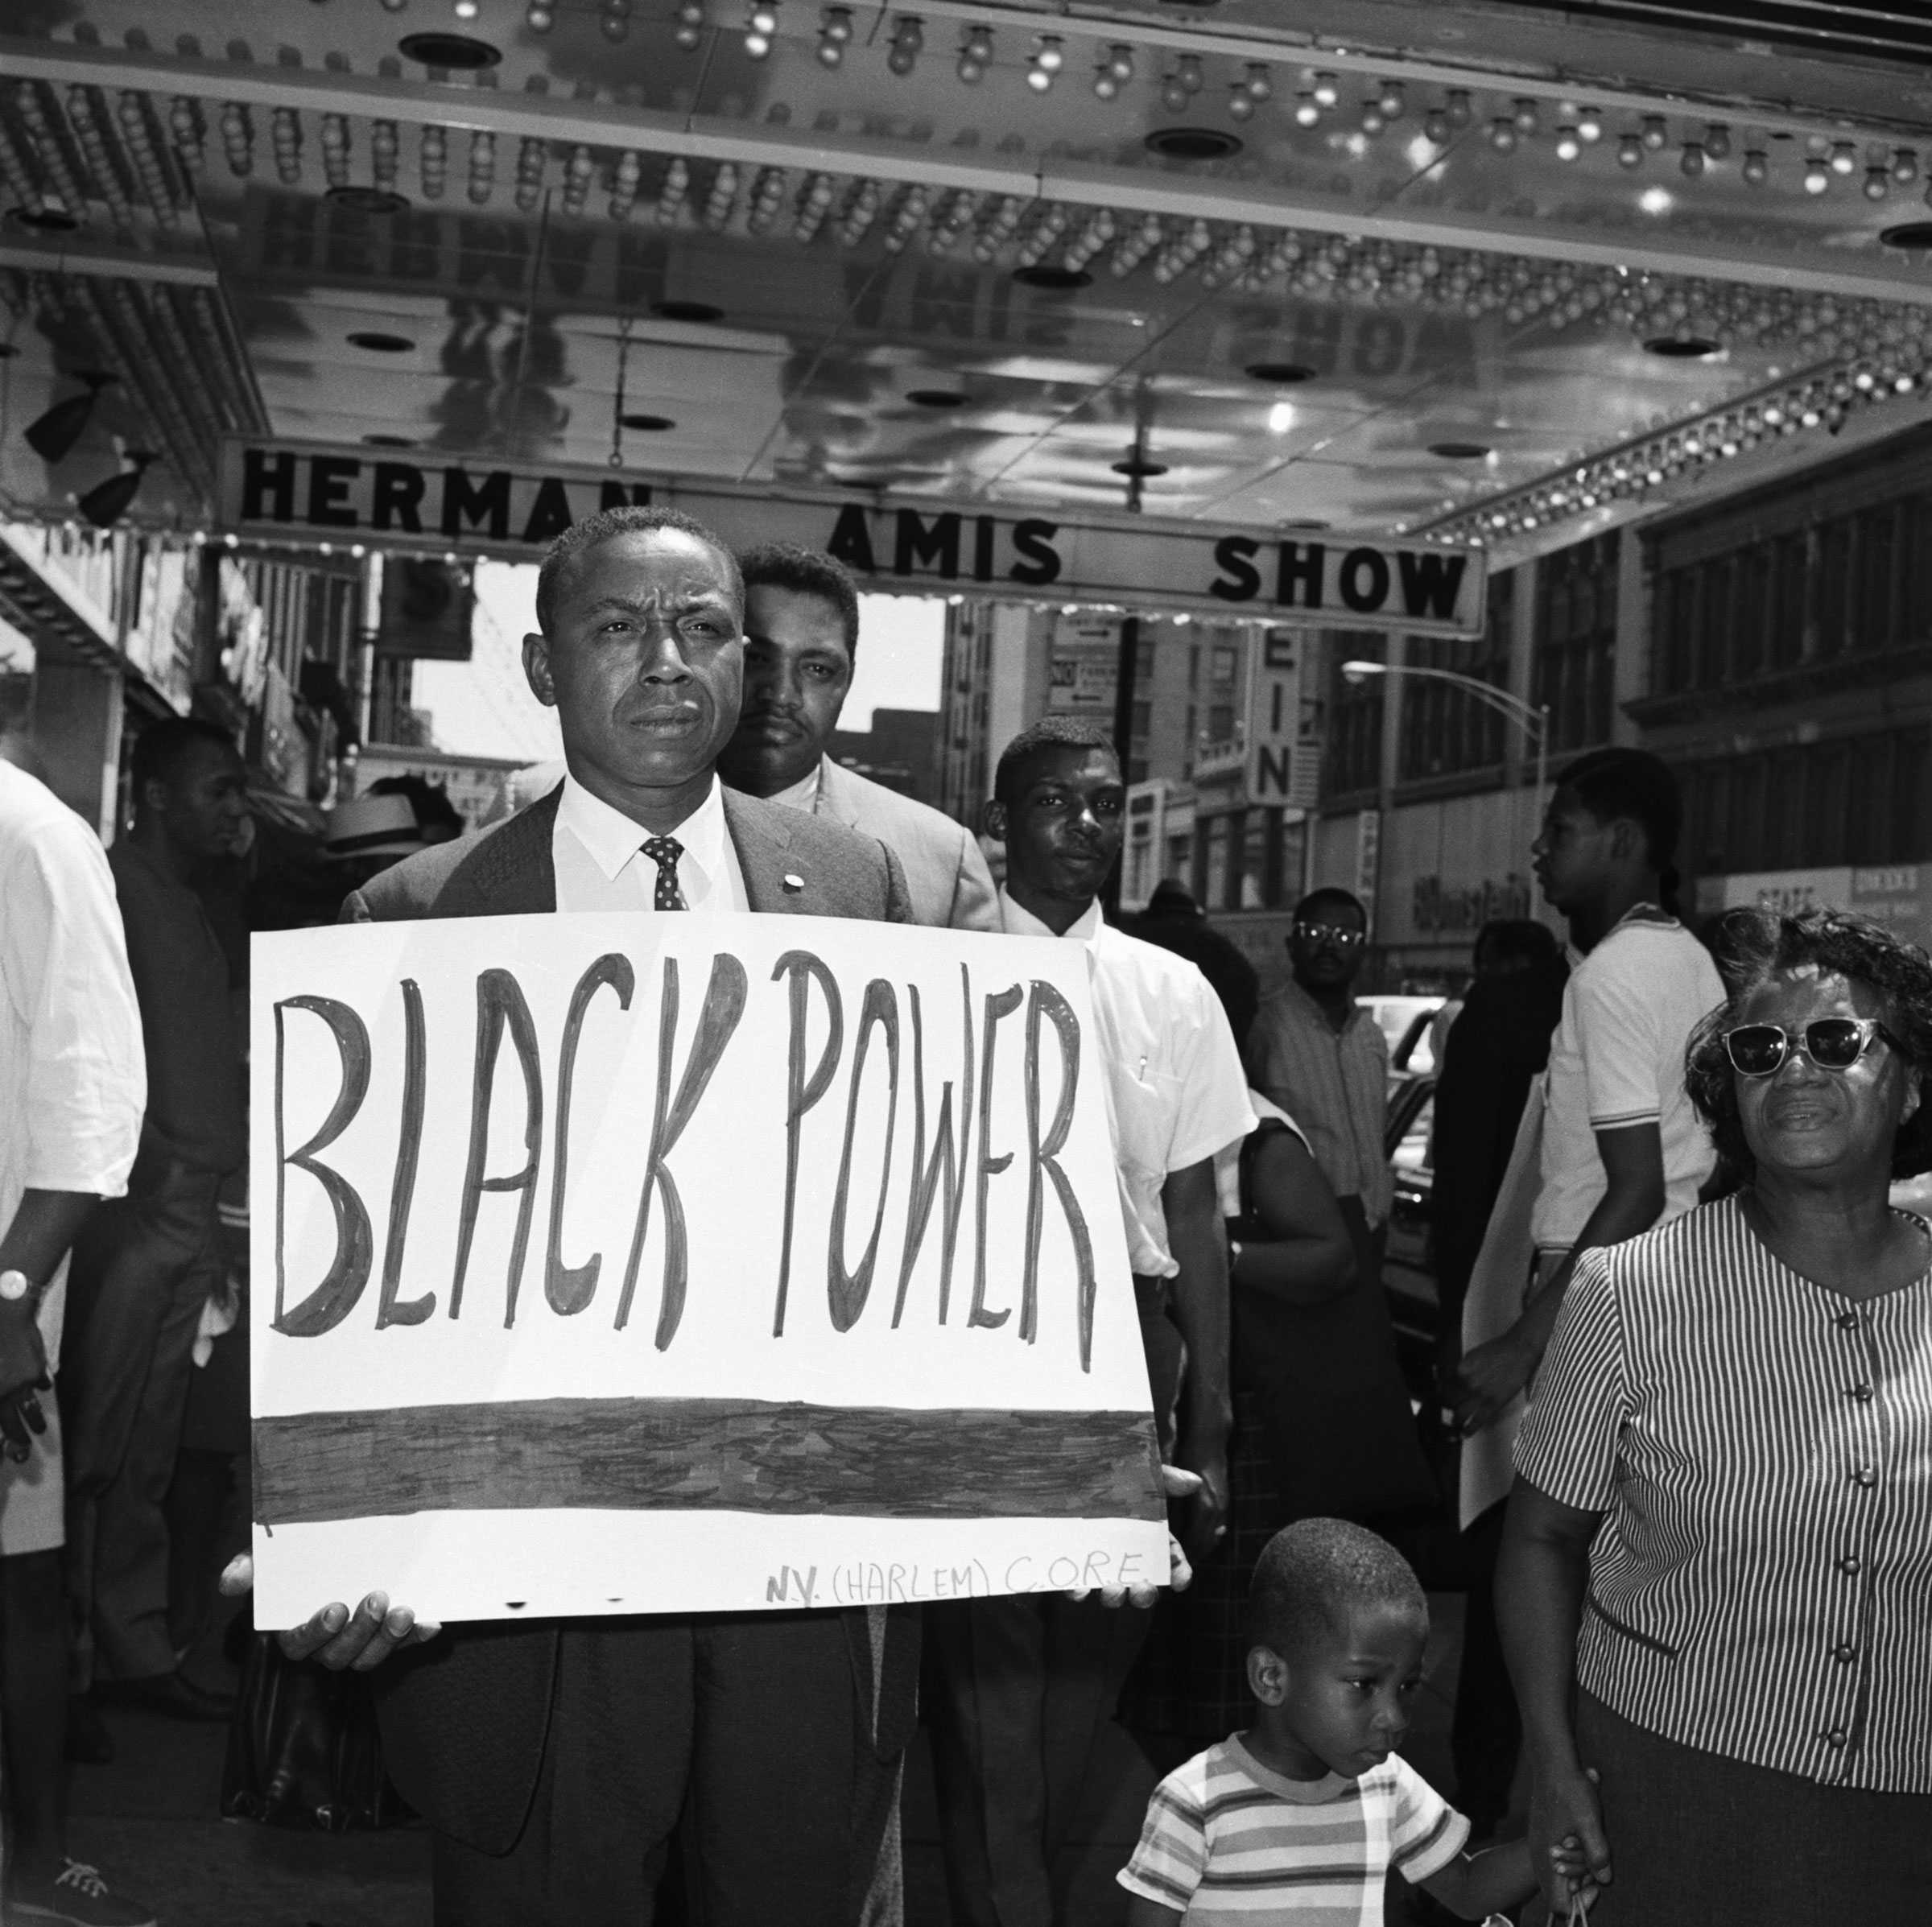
[(664, 852)]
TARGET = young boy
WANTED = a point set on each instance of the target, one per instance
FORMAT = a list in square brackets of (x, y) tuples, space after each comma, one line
[(1301, 1817)]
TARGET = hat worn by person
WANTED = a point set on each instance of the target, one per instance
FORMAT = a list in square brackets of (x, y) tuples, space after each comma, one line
[(374, 826)]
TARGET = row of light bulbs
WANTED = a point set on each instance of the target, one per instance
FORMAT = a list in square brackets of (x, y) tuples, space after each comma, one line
[(1814, 402), (1571, 132)]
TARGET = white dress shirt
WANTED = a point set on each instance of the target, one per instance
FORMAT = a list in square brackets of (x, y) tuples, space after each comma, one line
[(804, 794), (1175, 1090), (598, 855), (73, 1080)]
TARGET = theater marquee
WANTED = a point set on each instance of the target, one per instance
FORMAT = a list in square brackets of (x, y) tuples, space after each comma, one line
[(273, 490)]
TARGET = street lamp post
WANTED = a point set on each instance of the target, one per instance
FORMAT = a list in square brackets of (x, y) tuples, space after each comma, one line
[(1532, 719)]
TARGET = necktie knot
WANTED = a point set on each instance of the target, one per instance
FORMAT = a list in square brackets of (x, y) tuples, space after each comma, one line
[(664, 852)]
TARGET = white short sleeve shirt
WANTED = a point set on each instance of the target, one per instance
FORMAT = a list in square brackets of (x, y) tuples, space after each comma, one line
[(1175, 1089), (1617, 1060)]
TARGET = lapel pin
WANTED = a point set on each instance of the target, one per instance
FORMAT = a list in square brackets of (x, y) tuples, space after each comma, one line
[(794, 883)]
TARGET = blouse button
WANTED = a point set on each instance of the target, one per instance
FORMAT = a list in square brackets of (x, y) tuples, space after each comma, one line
[(1865, 1476), (1844, 1654), (1836, 1737), (1862, 1393), (1847, 1321), (1848, 1564)]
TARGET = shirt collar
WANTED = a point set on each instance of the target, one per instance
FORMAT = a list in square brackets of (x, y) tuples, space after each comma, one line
[(613, 838), (1315, 1013), (803, 795), (1016, 920)]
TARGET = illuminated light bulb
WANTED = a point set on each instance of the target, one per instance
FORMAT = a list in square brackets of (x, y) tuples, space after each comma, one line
[(1051, 55), (1188, 73), (1120, 63), (1590, 126), (1656, 135), (1526, 116), (466, 9), (1373, 121), (1105, 83), (1327, 90), (1039, 79), (1458, 108), (1307, 111), (1844, 157), (1817, 177), (1692, 163), (1393, 101), (1173, 96), (1569, 144), (1756, 169), (1502, 134), (1435, 126), (538, 18), (1240, 103), (1905, 166), (1878, 184), (1259, 86), (1630, 151)]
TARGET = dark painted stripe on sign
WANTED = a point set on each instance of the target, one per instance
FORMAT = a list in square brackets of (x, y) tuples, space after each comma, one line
[(692, 1454)]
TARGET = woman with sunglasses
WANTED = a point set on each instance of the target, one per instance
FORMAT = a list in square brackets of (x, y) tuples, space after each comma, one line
[(1716, 1583)]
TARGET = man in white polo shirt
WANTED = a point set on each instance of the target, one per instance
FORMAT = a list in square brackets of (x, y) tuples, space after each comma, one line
[(1622, 1148)]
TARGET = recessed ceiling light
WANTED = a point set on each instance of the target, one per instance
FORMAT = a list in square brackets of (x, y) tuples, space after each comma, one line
[(935, 397), (1279, 372), (1680, 347), (1052, 280), (457, 51), (378, 343), (387, 441), (687, 311), (369, 200), (43, 220), (1911, 235), (1138, 467), (1193, 143), (647, 424), (1461, 451)]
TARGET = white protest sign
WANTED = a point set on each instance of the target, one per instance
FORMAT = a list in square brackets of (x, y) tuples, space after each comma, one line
[(617, 1264)]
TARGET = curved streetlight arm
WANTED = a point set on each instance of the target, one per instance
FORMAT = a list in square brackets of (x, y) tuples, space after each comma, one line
[(1531, 719)]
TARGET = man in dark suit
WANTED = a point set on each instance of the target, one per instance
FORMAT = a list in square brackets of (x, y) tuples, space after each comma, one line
[(555, 1759)]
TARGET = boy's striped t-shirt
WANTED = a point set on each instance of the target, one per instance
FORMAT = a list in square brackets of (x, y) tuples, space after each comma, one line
[(1226, 1839)]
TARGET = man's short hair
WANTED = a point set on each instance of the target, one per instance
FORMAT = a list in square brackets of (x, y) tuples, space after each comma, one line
[(1330, 897), (1634, 785), (1313, 1574), (605, 526), (162, 748), (791, 565), (1050, 733)]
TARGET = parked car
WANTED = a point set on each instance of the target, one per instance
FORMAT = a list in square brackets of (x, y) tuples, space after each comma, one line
[(1409, 1265), (1405, 1022)]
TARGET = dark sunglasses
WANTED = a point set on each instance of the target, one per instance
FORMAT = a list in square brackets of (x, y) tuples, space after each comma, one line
[(1832, 1043)]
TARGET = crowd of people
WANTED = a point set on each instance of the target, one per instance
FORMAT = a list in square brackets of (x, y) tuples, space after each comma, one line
[(1687, 1342)]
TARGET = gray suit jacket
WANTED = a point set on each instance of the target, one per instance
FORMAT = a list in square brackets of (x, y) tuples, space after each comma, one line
[(952, 887), (465, 1720), (791, 863)]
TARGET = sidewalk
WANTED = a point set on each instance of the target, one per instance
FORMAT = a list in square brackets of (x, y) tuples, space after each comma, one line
[(150, 1822)]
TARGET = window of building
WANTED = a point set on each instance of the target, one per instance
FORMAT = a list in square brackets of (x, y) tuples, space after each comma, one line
[(1445, 729), (1219, 846), (1353, 753), (1221, 663), (1575, 659), (1220, 722)]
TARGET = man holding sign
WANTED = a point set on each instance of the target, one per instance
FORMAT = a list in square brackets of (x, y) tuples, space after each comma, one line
[(553, 1758)]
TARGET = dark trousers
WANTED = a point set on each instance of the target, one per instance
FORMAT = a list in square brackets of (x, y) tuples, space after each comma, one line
[(744, 1727), (142, 1271), (1027, 1683)]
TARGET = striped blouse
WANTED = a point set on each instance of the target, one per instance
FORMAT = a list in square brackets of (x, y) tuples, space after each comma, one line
[(1762, 1451)]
